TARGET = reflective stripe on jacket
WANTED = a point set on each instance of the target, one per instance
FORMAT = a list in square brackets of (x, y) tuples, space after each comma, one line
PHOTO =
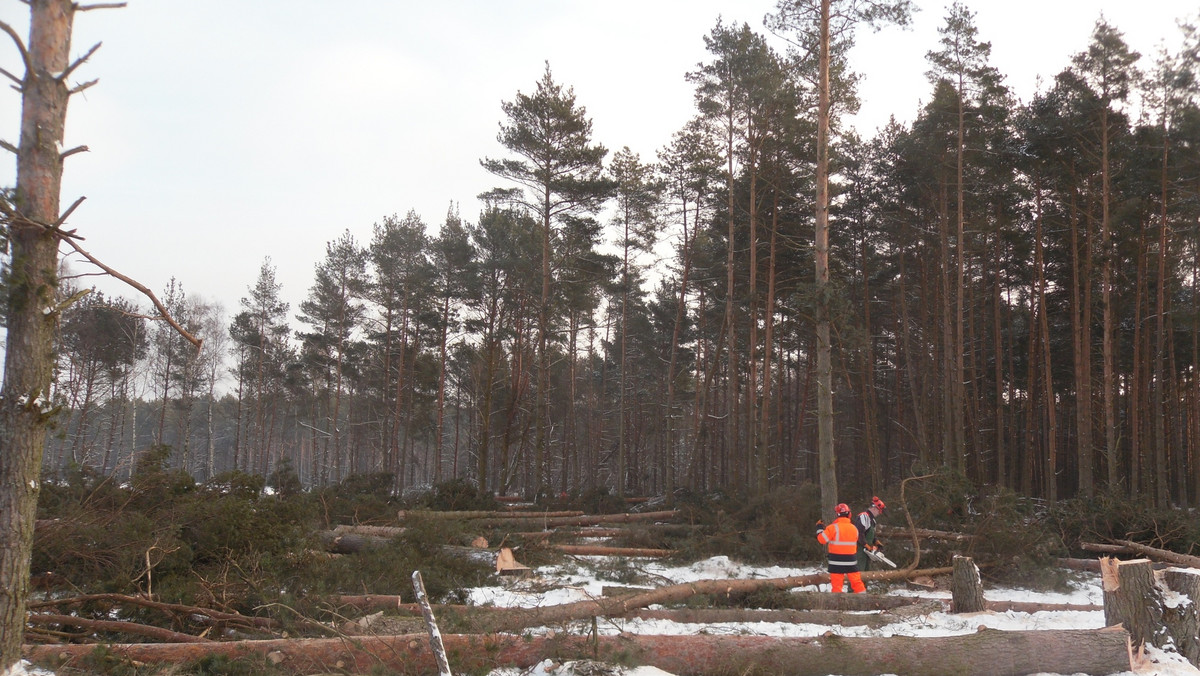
[(841, 538)]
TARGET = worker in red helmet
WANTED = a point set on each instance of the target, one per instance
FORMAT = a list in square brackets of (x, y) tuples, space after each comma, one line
[(868, 538), (841, 540)]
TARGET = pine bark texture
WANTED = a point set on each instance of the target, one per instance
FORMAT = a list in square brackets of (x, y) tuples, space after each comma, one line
[(990, 651), (1183, 618), (1132, 600), (966, 588), (31, 313)]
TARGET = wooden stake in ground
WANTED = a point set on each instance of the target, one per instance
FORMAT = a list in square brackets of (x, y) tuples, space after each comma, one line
[(435, 635), (966, 588)]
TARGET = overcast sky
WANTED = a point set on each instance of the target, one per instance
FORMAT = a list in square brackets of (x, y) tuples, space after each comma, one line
[(225, 131)]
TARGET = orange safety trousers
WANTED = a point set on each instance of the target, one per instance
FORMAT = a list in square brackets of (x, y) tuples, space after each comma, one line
[(856, 583)]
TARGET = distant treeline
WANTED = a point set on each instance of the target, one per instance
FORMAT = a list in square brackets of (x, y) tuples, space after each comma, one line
[(1015, 290)]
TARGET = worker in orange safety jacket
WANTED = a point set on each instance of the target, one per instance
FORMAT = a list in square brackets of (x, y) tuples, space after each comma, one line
[(841, 539)]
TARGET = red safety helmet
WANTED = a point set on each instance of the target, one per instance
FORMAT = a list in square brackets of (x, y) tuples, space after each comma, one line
[(842, 509), (878, 504)]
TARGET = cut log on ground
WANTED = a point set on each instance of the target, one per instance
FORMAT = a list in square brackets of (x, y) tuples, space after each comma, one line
[(594, 520), (990, 651), (507, 514), (1164, 555), (350, 543), (491, 619), (896, 531), (743, 615), (1132, 600), (966, 587), (601, 550), (376, 531), (1101, 548)]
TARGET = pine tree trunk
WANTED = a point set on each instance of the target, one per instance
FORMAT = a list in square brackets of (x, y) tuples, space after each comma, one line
[(31, 312)]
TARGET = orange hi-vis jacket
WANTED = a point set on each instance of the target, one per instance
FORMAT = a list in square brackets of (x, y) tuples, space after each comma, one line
[(841, 537)]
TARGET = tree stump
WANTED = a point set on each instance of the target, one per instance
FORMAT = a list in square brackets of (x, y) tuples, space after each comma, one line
[(966, 588), (1182, 616), (1132, 600)]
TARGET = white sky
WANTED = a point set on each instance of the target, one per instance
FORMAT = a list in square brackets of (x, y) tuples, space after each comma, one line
[(224, 131)]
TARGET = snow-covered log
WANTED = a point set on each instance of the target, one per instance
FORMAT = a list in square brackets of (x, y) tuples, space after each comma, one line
[(1182, 614)]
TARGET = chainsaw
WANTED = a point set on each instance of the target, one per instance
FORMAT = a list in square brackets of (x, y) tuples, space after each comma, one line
[(878, 556)]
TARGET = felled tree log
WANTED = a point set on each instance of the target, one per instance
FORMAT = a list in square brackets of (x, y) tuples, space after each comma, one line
[(1101, 548), (601, 550), (1183, 620), (465, 515), (1160, 554), (492, 619), (375, 531), (1132, 600), (579, 520), (894, 531), (966, 587), (742, 615), (350, 543), (990, 651)]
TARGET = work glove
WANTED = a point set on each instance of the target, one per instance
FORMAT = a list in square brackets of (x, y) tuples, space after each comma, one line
[(820, 526)]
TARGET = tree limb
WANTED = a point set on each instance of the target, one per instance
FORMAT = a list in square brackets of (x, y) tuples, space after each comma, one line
[(85, 85), (100, 5), (8, 146), (77, 149), (19, 82), (78, 62), (162, 310), (20, 47)]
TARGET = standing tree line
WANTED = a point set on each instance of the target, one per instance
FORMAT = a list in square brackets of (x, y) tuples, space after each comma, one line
[(1013, 292)]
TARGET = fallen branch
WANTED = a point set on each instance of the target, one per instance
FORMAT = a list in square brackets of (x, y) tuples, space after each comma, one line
[(990, 651), (1160, 554), (173, 608), (517, 524), (743, 615), (115, 626), (894, 531)]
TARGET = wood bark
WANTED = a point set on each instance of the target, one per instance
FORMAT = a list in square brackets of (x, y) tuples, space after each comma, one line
[(966, 587), (1160, 554), (1183, 619), (600, 550), (31, 310), (556, 522), (990, 651), (465, 515), (744, 615), (1132, 600), (894, 531)]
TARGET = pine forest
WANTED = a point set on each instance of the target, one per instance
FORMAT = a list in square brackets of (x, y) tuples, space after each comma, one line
[(1013, 295)]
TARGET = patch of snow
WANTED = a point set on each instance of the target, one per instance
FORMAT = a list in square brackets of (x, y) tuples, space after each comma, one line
[(24, 668)]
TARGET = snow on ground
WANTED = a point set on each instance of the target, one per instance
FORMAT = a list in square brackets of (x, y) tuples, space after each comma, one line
[(552, 585)]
